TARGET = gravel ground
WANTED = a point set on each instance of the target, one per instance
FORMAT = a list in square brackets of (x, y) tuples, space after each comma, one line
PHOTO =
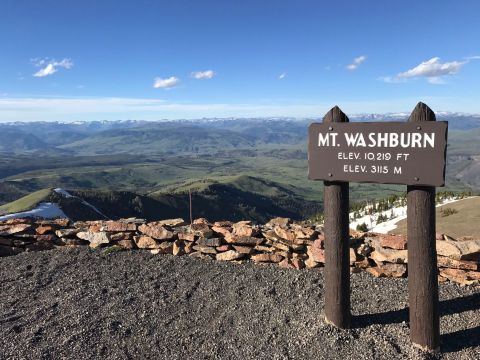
[(80, 304)]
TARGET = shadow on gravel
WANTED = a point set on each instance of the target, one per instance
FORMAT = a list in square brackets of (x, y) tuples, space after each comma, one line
[(455, 341), (460, 340), (447, 307)]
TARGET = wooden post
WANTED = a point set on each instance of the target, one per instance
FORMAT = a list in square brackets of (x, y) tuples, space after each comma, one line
[(422, 256), (337, 263), (190, 202)]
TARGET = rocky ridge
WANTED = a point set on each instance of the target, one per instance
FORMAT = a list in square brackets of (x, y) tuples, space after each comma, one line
[(281, 241)]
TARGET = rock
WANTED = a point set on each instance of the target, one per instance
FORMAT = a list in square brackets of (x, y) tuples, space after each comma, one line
[(186, 237), (145, 242), (223, 248), (229, 255), (165, 247), (223, 224), (243, 240), (305, 232), (121, 236), (188, 247), (47, 237), (365, 250), (459, 250), (67, 232), (388, 270), (205, 249), (319, 243), (298, 263), (397, 242), (310, 263), (172, 222), (200, 221), (178, 248), (284, 234), (247, 250), (95, 239), (210, 242), (353, 256), (439, 236), (118, 226), (263, 248), (126, 244), (243, 228), (201, 230), (155, 231), (461, 276), (457, 264), (286, 264), (72, 242), (316, 254), (221, 231), (381, 255), (6, 230), (278, 221), (41, 230), (274, 258), (40, 246), (281, 246)]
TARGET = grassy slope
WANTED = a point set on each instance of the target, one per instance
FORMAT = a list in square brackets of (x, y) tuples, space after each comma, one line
[(466, 222), (27, 202)]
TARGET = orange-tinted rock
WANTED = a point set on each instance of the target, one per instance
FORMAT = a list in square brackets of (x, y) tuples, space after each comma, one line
[(221, 230), (229, 255), (126, 244), (14, 229), (284, 234), (461, 276), (186, 237), (41, 230), (397, 242), (274, 258), (457, 264), (156, 231), (117, 226), (145, 242), (247, 250), (201, 230), (353, 256), (317, 254), (388, 270), (278, 221), (223, 248), (200, 221), (243, 228)]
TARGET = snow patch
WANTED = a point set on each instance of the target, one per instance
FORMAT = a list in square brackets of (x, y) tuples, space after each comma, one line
[(43, 210), (394, 215)]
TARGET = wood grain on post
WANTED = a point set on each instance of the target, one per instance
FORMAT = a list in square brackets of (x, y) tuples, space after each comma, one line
[(337, 263), (422, 256)]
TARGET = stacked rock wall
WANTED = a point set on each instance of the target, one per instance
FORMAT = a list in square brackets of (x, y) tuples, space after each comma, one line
[(290, 245)]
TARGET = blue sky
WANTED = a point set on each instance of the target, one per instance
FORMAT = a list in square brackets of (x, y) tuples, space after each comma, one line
[(92, 60)]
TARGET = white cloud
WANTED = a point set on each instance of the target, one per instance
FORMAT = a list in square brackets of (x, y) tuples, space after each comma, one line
[(356, 62), (282, 76), (201, 75), (50, 66), (433, 68), (476, 57), (159, 83)]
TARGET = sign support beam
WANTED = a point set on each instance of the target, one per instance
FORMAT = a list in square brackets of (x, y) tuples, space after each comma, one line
[(422, 256), (337, 263)]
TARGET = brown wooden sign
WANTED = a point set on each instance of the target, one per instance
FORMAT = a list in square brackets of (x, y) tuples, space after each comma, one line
[(381, 152)]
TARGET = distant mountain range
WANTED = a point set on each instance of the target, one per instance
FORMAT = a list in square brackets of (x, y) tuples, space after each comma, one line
[(236, 168), (202, 136)]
